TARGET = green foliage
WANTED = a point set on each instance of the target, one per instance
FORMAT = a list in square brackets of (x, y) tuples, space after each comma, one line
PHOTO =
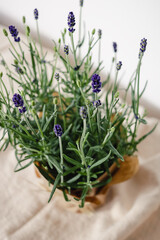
[(88, 147)]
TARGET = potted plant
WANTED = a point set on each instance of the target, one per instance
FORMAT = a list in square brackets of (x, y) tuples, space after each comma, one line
[(77, 142)]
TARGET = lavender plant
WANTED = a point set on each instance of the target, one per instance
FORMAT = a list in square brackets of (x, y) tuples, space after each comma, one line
[(59, 122)]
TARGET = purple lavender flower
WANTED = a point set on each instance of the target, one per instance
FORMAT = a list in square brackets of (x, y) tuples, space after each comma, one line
[(36, 13), (99, 33), (115, 47), (143, 45), (17, 100), (119, 65), (71, 22), (97, 103), (96, 83), (81, 3), (57, 76), (14, 33), (66, 49), (22, 110), (83, 112), (58, 130)]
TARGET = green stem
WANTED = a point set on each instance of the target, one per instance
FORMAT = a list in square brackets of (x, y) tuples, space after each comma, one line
[(138, 87), (74, 51), (98, 120), (29, 125), (61, 156), (88, 110), (99, 52), (37, 122), (55, 118), (39, 39), (60, 99), (14, 49)]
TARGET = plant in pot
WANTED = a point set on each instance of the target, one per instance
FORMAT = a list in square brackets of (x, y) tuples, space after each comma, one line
[(79, 139)]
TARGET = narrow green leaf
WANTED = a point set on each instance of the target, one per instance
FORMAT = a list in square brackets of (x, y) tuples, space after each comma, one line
[(100, 184), (70, 160), (142, 121), (144, 136), (74, 178), (112, 148), (32, 58), (65, 196), (101, 161), (27, 165), (143, 89), (57, 180), (48, 122), (74, 150), (71, 170), (52, 161)]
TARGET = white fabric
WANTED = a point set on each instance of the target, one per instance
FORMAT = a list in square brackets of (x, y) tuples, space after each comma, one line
[(25, 213)]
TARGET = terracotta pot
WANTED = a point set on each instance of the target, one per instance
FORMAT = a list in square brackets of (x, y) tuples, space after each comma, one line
[(97, 196)]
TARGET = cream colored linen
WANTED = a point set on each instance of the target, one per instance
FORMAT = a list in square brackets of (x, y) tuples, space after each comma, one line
[(130, 206)]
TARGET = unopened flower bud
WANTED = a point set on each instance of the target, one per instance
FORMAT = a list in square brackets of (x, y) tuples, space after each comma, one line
[(15, 61), (27, 30), (116, 95), (93, 31), (5, 32), (24, 19), (55, 48)]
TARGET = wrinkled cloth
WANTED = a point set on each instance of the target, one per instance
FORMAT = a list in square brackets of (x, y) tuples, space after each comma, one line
[(131, 210)]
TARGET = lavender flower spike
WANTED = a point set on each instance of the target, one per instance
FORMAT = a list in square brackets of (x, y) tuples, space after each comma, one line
[(71, 22), (58, 130), (143, 45), (115, 47), (66, 49), (97, 103), (83, 112), (96, 83), (81, 3), (57, 76), (119, 65), (17, 100), (22, 110), (99, 33), (14, 33), (36, 13)]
